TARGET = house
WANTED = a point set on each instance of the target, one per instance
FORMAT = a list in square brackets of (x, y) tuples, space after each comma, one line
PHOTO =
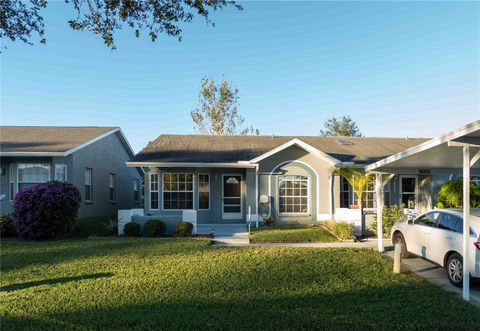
[(91, 158), (229, 179)]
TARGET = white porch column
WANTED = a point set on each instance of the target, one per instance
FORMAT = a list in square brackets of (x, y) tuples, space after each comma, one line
[(466, 222), (379, 197), (330, 182)]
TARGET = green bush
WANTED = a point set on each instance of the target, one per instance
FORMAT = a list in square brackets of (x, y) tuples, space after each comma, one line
[(109, 228), (451, 194), (342, 230), (7, 228), (154, 228), (131, 229), (269, 221), (183, 229), (390, 216)]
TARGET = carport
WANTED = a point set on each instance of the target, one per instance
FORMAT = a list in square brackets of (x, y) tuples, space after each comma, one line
[(456, 152)]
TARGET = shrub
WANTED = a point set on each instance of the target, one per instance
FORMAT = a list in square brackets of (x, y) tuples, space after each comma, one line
[(131, 229), (183, 229), (7, 228), (269, 221), (109, 228), (342, 230), (46, 210), (154, 228), (451, 194), (390, 216)]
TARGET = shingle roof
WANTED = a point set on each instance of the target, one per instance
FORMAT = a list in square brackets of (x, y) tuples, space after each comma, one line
[(206, 148), (47, 139)]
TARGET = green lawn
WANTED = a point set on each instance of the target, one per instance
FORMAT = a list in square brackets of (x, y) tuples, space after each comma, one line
[(86, 227), (120, 284), (291, 234)]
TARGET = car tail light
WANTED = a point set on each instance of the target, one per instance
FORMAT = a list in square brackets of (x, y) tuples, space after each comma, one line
[(477, 244)]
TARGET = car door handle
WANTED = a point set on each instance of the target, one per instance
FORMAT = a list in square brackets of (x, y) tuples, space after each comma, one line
[(449, 238)]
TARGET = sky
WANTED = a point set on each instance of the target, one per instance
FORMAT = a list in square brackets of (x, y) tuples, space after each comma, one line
[(397, 68)]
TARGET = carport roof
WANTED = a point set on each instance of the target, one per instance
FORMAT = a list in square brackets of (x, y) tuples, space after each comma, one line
[(436, 153)]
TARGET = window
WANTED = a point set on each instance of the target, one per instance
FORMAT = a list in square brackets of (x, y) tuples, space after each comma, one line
[(293, 194), (408, 186), (61, 172), (368, 196), (344, 193), (88, 184), (449, 222), (429, 219), (177, 191), (136, 190), (203, 191), (386, 195), (154, 191), (31, 174), (12, 181), (111, 187)]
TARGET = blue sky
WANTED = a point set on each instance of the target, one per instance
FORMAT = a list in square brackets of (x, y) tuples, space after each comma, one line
[(398, 68)]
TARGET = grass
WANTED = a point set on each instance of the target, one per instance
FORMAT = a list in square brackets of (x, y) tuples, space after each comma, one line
[(291, 234), (141, 284)]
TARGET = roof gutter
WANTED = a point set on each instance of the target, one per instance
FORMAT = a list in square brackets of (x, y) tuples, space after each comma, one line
[(191, 164)]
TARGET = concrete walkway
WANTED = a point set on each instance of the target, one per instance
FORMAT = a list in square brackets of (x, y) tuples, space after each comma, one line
[(372, 244), (226, 234), (436, 275)]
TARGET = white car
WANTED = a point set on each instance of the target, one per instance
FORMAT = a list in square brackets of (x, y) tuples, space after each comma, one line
[(437, 236)]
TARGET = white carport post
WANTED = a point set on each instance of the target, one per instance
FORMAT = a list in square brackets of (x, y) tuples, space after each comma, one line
[(379, 197), (466, 222)]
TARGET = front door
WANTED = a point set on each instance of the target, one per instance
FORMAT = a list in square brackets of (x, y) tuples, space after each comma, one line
[(232, 197)]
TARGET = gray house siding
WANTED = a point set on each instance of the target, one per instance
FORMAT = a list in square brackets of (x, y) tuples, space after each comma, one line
[(105, 156)]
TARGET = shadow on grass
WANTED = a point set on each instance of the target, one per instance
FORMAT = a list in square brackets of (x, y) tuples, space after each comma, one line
[(54, 281), (379, 308)]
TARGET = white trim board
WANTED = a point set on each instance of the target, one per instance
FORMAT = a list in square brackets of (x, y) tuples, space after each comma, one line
[(189, 165)]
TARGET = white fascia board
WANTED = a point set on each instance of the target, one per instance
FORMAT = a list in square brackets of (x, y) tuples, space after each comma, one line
[(301, 144), (449, 136), (190, 164), (73, 150), (34, 154)]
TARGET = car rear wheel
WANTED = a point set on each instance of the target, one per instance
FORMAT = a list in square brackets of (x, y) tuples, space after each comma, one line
[(455, 269), (398, 239)]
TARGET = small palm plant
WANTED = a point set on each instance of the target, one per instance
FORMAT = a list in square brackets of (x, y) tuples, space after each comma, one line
[(359, 179)]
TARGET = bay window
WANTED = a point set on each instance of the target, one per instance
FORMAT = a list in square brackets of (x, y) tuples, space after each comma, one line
[(154, 186), (177, 191)]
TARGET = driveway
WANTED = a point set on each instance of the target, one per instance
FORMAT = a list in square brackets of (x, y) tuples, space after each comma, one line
[(436, 275)]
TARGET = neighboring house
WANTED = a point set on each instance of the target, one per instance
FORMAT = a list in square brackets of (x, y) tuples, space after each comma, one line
[(91, 158), (227, 178)]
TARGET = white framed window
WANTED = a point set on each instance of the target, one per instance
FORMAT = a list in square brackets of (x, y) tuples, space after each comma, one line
[(12, 181), (177, 191), (61, 172), (369, 196), (154, 187), (111, 186), (344, 193), (204, 191), (409, 191), (88, 184), (29, 174), (293, 195), (136, 190)]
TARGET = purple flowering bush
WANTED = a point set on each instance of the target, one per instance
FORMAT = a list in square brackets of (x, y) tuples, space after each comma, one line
[(46, 210)]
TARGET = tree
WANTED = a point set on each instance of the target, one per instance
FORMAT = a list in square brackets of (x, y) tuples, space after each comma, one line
[(359, 179), (19, 19), (343, 126), (217, 111)]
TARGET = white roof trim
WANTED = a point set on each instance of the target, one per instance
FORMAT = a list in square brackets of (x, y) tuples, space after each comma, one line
[(449, 136), (301, 144), (36, 154), (85, 144), (190, 164)]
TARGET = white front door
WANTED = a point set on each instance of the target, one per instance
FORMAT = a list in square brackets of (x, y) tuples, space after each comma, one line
[(232, 197)]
